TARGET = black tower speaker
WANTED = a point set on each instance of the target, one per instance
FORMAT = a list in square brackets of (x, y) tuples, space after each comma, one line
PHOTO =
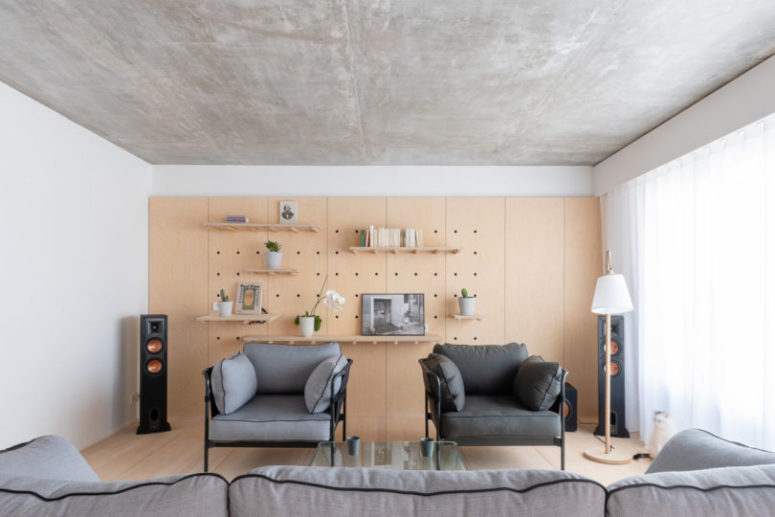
[(571, 408), (153, 374), (617, 377)]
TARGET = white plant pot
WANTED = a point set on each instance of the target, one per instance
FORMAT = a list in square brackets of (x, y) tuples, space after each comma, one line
[(223, 308), (467, 306), (307, 325), (274, 259)]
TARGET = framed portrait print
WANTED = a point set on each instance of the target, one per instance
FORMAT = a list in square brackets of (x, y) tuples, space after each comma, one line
[(248, 299), (289, 212)]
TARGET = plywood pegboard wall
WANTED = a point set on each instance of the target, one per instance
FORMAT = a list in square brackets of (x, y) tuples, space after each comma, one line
[(532, 262)]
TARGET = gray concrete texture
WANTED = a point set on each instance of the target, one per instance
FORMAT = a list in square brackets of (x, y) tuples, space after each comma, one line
[(339, 82)]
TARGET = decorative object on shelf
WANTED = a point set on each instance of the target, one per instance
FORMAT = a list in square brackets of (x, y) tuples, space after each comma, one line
[(309, 322), (237, 219), (224, 306), (270, 272), (249, 298), (393, 314), (274, 257), (467, 303), (611, 297), (289, 212), (390, 237)]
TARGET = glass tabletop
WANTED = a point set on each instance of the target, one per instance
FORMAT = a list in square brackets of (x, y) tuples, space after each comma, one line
[(390, 455)]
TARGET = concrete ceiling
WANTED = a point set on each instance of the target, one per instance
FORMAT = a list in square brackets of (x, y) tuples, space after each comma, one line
[(443, 82)]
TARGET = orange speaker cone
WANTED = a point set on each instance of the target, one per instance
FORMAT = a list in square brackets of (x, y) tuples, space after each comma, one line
[(614, 348), (153, 366), (154, 346), (614, 368)]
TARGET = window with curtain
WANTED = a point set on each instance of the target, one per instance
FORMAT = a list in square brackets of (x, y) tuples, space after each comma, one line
[(695, 239)]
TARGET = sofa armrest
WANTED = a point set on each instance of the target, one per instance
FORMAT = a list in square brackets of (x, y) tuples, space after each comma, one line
[(696, 449), (432, 384), (210, 408)]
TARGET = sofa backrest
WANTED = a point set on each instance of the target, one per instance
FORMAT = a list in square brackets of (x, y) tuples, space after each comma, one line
[(724, 491), (192, 494), (342, 492), (286, 368), (486, 369)]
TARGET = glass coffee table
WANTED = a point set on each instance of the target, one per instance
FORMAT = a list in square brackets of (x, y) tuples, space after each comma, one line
[(390, 456)]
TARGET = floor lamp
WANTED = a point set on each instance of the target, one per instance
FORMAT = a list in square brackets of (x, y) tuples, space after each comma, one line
[(611, 297)]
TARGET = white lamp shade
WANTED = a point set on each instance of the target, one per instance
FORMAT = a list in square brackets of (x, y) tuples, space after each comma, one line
[(611, 295)]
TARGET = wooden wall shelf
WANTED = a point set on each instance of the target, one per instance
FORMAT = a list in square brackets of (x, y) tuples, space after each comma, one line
[(281, 271), (354, 340), (258, 227), (476, 317), (241, 318), (426, 249)]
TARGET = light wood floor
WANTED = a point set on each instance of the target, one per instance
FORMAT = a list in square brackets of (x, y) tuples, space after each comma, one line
[(127, 456)]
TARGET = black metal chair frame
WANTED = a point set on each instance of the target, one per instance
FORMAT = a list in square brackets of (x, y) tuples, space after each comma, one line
[(337, 412), (433, 413)]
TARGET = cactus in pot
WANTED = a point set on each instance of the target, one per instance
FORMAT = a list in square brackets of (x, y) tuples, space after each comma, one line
[(274, 256), (467, 303)]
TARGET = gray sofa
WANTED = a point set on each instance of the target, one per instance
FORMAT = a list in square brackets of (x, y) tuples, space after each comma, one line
[(706, 477), (275, 413), (490, 413)]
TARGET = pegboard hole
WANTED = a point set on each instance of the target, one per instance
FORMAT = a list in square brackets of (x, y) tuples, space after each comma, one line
[(476, 231), (376, 274), (435, 295), (258, 252), (336, 274), (356, 316), (435, 274), (298, 253), (415, 273), (317, 253), (277, 295), (217, 274), (237, 252), (238, 338), (455, 338), (396, 273), (356, 273), (336, 231), (318, 274), (455, 274), (455, 231), (435, 231), (298, 295), (475, 338), (217, 252), (356, 295), (336, 316), (237, 273), (217, 338), (435, 317), (475, 274), (476, 252), (336, 252)]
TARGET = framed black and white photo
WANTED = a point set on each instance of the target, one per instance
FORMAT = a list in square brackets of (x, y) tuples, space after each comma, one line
[(289, 212), (393, 314), (248, 299)]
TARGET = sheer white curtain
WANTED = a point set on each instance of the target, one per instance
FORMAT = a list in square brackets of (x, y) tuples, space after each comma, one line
[(696, 240)]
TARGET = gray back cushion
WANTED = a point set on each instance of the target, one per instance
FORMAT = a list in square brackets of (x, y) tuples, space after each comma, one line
[(723, 491), (695, 449), (538, 383), (49, 457), (233, 383), (286, 368), (317, 390), (453, 395), (188, 495), (344, 492), (486, 369)]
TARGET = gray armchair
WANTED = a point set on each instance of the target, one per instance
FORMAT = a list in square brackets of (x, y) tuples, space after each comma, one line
[(491, 413), (277, 415)]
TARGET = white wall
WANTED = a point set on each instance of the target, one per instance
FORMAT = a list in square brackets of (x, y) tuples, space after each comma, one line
[(746, 99), (300, 181), (73, 275)]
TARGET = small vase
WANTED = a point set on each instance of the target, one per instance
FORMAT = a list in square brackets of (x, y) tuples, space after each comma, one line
[(307, 325), (467, 306), (223, 308), (274, 259)]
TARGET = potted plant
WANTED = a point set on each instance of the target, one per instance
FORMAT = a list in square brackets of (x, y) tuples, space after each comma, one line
[(467, 303), (224, 306), (309, 322), (274, 256)]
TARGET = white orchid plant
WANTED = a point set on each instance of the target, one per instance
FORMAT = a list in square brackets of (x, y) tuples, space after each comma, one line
[(330, 299)]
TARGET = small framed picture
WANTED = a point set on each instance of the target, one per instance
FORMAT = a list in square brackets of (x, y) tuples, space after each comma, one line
[(393, 314), (289, 212), (248, 299)]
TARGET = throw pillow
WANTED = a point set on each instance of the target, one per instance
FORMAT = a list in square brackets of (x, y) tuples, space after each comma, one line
[(317, 390), (233, 383), (453, 396), (537, 383)]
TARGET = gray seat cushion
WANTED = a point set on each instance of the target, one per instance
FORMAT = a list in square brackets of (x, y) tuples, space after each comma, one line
[(695, 449), (538, 383), (233, 382), (49, 457), (453, 396), (192, 494), (497, 418), (727, 491), (271, 418), (286, 368), (486, 369), (349, 492)]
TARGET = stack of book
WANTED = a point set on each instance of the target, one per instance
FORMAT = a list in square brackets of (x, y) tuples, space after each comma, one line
[(237, 219), (391, 238)]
